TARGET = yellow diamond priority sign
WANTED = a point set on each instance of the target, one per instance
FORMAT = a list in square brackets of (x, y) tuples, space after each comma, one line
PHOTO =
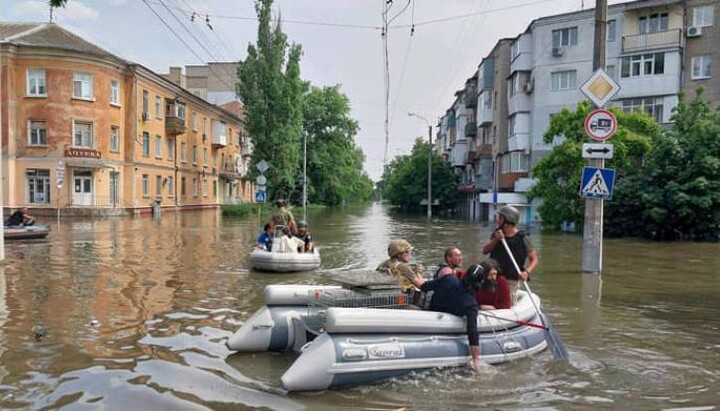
[(600, 88)]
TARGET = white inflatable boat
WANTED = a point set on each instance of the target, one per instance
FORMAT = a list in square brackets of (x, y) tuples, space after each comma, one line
[(279, 262), (343, 341)]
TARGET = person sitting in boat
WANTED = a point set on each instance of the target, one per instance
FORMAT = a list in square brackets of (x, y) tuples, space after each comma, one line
[(284, 217), (265, 240), (453, 296), (289, 243), (399, 267), (20, 217), (304, 235), (493, 292)]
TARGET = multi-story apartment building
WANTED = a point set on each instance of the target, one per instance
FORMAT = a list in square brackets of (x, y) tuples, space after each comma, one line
[(214, 82), (702, 37), (88, 132)]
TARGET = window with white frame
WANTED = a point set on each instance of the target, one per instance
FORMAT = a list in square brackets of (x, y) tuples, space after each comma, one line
[(146, 185), (514, 84), (183, 152), (204, 188), (171, 186), (158, 186), (642, 65), (158, 107), (511, 126), (653, 23), (565, 37), (611, 30), (194, 154), (83, 86), (36, 83), (115, 92), (115, 138), (170, 149), (703, 16), (653, 106), (701, 67), (37, 133), (180, 111), (194, 187), (82, 134), (37, 183), (518, 162), (146, 144), (158, 146), (610, 70), (563, 80), (194, 121), (145, 103)]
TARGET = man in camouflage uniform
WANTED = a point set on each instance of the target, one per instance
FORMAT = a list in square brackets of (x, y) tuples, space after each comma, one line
[(284, 217), (399, 267)]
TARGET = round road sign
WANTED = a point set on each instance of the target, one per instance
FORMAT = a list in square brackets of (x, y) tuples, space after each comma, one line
[(261, 180), (600, 124)]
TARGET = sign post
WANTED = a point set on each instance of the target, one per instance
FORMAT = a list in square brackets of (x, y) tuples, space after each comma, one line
[(59, 181)]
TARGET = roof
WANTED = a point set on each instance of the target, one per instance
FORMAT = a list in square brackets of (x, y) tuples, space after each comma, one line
[(49, 35), (234, 107)]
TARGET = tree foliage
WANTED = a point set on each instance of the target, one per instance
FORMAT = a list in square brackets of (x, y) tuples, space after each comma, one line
[(271, 90), (404, 180), (334, 162)]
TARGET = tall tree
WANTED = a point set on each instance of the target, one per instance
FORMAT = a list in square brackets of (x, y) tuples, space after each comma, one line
[(334, 161), (271, 90)]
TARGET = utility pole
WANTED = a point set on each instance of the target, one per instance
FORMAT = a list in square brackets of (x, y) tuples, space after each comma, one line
[(593, 224), (429, 189)]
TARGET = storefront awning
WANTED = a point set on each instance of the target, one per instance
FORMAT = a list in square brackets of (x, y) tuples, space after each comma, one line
[(87, 163)]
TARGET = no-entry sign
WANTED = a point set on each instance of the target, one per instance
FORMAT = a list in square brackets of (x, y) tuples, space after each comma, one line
[(600, 124)]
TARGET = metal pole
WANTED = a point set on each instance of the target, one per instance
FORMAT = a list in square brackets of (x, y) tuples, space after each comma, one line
[(2, 202), (593, 223), (305, 177), (429, 189)]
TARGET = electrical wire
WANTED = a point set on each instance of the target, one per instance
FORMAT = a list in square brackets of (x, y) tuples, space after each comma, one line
[(468, 15), (387, 5)]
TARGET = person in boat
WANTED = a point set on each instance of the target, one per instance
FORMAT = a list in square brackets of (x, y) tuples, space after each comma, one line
[(454, 296), (288, 242), (493, 292), (20, 217), (453, 260), (520, 245), (265, 240), (283, 216), (398, 265), (304, 235)]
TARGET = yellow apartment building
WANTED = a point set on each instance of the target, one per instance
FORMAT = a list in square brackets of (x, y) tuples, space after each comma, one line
[(90, 133)]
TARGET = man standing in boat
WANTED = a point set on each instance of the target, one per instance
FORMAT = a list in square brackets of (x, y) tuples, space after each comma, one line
[(283, 216), (304, 235), (520, 245)]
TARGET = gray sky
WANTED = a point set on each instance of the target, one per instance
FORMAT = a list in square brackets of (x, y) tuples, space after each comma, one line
[(425, 69)]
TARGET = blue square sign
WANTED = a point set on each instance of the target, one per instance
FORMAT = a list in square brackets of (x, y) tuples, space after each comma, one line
[(597, 182), (260, 196)]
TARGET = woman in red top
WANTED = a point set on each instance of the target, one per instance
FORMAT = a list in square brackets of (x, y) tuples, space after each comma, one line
[(494, 291)]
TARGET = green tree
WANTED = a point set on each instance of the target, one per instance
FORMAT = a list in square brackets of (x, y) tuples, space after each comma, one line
[(681, 185), (334, 162), (271, 90), (558, 175), (57, 3), (404, 180)]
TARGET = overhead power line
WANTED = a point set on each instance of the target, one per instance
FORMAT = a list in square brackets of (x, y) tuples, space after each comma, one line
[(468, 15)]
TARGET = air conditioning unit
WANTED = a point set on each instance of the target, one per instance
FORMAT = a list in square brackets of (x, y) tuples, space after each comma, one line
[(529, 86), (557, 51), (145, 116), (694, 31)]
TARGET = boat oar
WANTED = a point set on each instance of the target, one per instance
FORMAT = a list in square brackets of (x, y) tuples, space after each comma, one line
[(521, 322), (557, 348)]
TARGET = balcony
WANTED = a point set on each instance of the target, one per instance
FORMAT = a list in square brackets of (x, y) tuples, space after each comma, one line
[(470, 97), (459, 153), (484, 150), (471, 129), (519, 142), (174, 125), (651, 41), (219, 140)]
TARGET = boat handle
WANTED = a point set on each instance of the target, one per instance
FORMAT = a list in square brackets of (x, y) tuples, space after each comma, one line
[(262, 326), (512, 346)]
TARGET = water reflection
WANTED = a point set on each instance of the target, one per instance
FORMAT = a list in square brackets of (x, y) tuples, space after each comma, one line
[(133, 313)]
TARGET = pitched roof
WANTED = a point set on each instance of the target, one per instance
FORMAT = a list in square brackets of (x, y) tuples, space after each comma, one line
[(48, 35)]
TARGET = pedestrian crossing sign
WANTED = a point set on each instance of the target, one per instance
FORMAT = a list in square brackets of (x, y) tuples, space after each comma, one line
[(597, 182)]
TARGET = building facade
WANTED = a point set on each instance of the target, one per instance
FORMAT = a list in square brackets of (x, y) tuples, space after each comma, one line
[(90, 133), (702, 54)]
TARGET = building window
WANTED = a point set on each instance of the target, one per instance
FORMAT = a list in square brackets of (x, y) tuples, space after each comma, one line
[(183, 152), (612, 30), (563, 80), (610, 70), (158, 186), (215, 189), (158, 107), (170, 149), (642, 65), (115, 92), (194, 154), (653, 23), (37, 134), (36, 83), (565, 37), (515, 49), (146, 185), (180, 111), (83, 86), (146, 144), (204, 188), (703, 16), (38, 186), (205, 157), (518, 162), (701, 67), (653, 106), (115, 138), (514, 84), (194, 121), (194, 187), (82, 134), (158, 146), (183, 191), (204, 126), (511, 125), (171, 186), (145, 104)]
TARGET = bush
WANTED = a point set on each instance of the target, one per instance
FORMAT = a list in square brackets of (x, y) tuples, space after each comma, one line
[(239, 210)]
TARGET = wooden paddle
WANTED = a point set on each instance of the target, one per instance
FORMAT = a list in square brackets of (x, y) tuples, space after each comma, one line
[(557, 348)]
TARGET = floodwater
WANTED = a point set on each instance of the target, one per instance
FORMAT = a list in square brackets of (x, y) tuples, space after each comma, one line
[(133, 314)]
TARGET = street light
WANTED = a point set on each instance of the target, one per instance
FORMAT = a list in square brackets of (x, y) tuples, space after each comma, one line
[(430, 150)]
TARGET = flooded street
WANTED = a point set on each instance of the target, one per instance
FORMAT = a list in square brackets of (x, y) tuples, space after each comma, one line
[(133, 314)]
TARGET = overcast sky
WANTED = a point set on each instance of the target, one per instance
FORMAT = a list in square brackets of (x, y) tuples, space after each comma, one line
[(341, 40)]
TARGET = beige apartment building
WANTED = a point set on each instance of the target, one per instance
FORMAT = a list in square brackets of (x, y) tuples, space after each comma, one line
[(90, 133)]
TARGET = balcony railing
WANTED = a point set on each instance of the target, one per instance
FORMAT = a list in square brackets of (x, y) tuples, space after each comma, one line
[(650, 41), (174, 125)]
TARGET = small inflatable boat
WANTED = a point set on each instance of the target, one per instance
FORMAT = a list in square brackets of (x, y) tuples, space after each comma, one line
[(343, 340), (281, 258)]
